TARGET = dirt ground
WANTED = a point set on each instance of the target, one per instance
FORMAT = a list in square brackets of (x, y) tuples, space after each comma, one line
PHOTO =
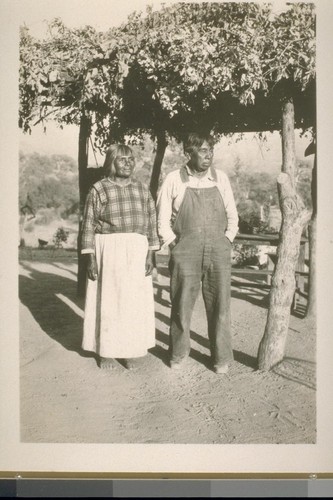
[(66, 398)]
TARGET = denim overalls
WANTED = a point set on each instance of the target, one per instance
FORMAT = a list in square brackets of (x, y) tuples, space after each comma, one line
[(202, 255)]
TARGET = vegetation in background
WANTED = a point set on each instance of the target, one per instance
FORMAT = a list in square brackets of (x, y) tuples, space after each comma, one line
[(221, 66), (48, 185), (60, 237)]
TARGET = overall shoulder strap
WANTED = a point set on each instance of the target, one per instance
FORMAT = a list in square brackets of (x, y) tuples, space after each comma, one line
[(214, 174)]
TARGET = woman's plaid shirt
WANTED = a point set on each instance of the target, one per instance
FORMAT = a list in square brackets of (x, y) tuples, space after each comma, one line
[(114, 208)]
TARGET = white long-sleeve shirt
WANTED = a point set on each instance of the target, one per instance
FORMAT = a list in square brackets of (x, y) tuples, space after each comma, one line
[(172, 193)]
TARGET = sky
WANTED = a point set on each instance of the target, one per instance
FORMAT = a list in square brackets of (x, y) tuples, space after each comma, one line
[(102, 14), (252, 152)]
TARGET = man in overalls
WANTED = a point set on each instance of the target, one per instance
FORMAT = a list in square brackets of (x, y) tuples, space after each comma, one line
[(197, 219)]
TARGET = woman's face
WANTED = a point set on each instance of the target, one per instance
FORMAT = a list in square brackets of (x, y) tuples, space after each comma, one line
[(124, 165)]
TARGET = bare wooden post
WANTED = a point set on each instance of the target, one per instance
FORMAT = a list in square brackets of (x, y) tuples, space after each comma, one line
[(294, 216), (311, 307), (84, 135), (156, 172), (158, 160)]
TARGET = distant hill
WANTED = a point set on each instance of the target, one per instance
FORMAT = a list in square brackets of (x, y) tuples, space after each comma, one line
[(48, 181)]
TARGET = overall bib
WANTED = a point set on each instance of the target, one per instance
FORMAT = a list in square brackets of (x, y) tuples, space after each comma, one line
[(202, 255)]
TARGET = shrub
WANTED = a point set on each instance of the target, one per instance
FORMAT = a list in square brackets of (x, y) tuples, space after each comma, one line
[(245, 255), (60, 237), (254, 225)]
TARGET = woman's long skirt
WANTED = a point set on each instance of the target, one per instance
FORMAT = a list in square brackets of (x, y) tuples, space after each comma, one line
[(119, 309)]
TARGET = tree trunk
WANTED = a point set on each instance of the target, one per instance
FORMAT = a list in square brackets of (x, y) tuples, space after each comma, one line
[(294, 216), (84, 135), (158, 160), (156, 172), (311, 307)]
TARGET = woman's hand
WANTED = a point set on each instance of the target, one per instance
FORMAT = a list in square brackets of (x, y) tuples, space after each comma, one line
[(149, 262), (92, 267)]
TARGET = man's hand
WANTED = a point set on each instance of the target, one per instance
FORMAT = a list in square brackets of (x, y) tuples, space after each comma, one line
[(173, 244), (149, 262), (92, 267)]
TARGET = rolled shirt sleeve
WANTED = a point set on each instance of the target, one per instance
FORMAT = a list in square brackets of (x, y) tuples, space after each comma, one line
[(164, 212), (230, 208)]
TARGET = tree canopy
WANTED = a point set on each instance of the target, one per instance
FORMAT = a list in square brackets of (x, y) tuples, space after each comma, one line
[(221, 67), (52, 74)]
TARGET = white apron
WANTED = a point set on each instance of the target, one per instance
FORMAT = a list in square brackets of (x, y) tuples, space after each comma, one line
[(119, 317)]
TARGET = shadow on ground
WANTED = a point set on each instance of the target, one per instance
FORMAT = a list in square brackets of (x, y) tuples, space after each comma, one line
[(297, 370), (254, 291), (56, 318), (63, 322), (204, 359)]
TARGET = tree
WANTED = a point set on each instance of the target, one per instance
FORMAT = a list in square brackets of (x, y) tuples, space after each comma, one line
[(60, 237), (54, 85), (294, 217), (294, 31), (206, 65)]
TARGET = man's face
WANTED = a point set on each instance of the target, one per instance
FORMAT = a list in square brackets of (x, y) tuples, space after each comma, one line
[(124, 166), (201, 158)]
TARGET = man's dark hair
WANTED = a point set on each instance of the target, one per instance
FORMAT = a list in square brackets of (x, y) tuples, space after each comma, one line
[(194, 141)]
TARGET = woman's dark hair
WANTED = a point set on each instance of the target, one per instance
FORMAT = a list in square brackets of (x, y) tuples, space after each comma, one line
[(111, 154), (194, 141)]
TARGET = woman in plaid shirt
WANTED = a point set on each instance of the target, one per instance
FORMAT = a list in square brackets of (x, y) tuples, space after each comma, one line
[(119, 235)]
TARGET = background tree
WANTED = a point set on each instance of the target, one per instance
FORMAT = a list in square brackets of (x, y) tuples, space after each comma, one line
[(60, 237)]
